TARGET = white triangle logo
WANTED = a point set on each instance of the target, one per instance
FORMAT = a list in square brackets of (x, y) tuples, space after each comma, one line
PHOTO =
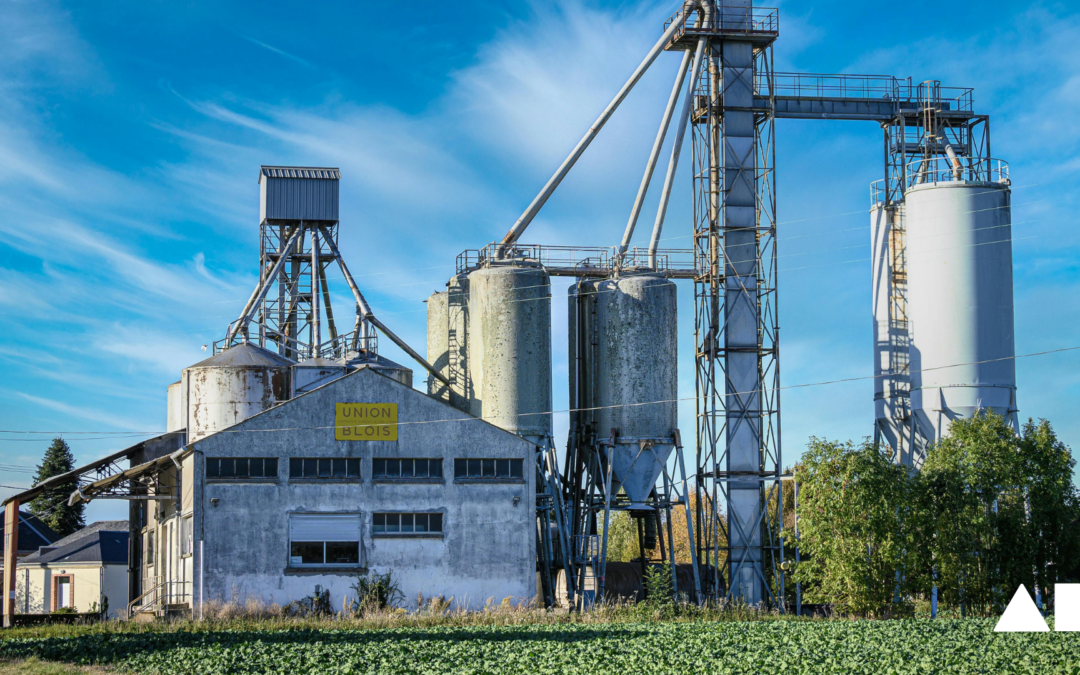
[(1021, 616)]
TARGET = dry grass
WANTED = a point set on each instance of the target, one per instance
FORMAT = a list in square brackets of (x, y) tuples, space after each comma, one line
[(434, 612), (33, 666)]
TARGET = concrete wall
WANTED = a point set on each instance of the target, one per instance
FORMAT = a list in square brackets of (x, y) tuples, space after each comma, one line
[(33, 587), (488, 546)]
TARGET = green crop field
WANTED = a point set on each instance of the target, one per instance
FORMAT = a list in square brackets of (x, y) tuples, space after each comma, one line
[(878, 647)]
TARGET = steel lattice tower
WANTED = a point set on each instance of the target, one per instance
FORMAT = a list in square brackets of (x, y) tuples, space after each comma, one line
[(735, 320)]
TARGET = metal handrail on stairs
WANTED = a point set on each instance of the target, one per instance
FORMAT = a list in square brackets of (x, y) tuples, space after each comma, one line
[(138, 605)]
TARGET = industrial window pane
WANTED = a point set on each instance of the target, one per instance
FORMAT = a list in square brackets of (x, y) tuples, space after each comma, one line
[(324, 467), (242, 468), (516, 468), (342, 552), (378, 468), (228, 468), (393, 468), (474, 468), (407, 522), (434, 522), (270, 467), (435, 468), (407, 468), (306, 553), (352, 467), (502, 468), (213, 468), (379, 523), (489, 468), (337, 468), (393, 522), (296, 467), (255, 467), (461, 469), (421, 520)]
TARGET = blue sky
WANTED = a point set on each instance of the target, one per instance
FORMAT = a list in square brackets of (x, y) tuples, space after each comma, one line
[(131, 134)]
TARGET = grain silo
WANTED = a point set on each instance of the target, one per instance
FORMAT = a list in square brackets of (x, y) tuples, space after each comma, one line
[(509, 348), (960, 302), (624, 342), (231, 386)]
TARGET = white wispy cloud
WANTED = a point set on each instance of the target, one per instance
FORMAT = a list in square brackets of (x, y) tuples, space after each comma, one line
[(281, 52), (99, 417)]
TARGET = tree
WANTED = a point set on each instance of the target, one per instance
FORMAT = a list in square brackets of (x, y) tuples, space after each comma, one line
[(52, 504), (1000, 510), (855, 516)]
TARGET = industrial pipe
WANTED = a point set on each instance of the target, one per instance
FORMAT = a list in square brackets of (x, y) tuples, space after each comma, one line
[(676, 150), (957, 168), (315, 323), (538, 203), (365, 309), (261, 290), (650, 166)]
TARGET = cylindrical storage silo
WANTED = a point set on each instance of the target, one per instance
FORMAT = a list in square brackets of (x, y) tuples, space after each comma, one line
[(174, 408), (960, 303), (447, 342), (636, 374), (509, 348), (231, 386)]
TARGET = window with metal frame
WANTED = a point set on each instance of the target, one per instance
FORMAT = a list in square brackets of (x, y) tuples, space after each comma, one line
[(489, 469), (324, 468), (324, 540), (406, 524), (241, 468), (406, 469)]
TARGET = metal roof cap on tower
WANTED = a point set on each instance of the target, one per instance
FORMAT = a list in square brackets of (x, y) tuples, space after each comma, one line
[(326, 173), (244, 354), (291, 193)]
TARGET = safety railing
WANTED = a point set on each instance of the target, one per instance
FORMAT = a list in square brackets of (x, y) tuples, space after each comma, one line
[(159, 596), (345, 345), (820, 85), (928, 94), (748, 21), (947, 170), (580, 261)]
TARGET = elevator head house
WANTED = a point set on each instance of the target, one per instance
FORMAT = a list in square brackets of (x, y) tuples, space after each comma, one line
[(361, 473)]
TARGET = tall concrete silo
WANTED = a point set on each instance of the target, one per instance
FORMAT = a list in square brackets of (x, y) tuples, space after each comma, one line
[(231, 386), (447, 342), (509, 348), (624, 343), (960, 302)]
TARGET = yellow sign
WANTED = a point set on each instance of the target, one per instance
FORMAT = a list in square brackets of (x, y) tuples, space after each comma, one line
[(365, 421)]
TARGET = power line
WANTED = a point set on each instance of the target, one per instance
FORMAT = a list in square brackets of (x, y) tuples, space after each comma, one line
[(619, 405)]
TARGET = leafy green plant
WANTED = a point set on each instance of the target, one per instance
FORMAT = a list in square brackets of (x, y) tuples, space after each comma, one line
[(375, 591), (966, 647), (856, 524), (659, 587)]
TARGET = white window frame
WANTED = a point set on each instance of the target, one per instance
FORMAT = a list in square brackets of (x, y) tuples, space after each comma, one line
[(308, 527)]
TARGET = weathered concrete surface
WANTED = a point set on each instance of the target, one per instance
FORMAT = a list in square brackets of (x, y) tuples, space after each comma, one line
[(488, 547), (231, 386), (509, 348)]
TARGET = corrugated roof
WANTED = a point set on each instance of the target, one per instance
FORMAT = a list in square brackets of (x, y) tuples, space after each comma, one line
[(73, 475), (325, 173), (104, 541)]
